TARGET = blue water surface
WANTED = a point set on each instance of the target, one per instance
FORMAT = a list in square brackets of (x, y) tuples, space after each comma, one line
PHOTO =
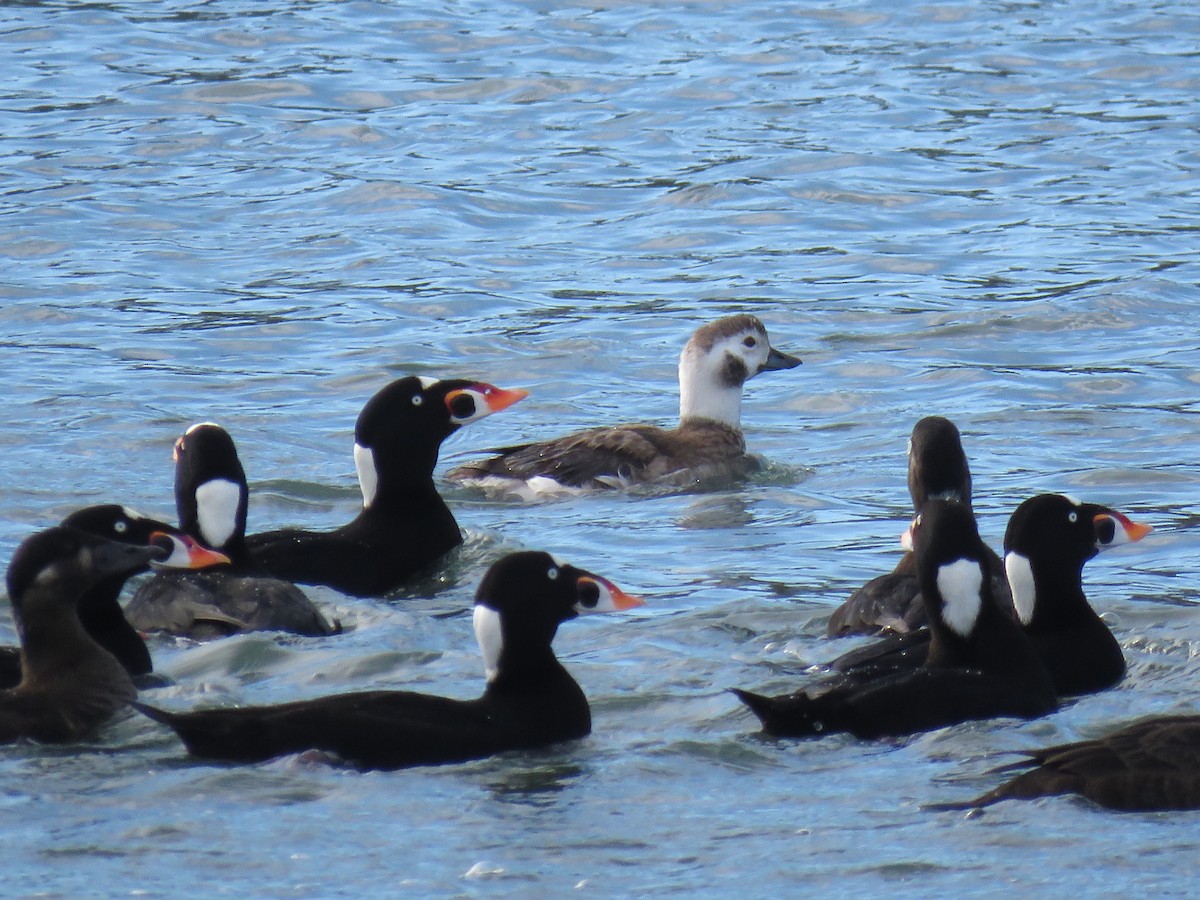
[(259, 213)]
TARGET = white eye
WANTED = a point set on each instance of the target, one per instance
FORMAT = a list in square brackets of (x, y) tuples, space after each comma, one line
[(1072, 517), (120, 526), (552, 573), (418, 400)]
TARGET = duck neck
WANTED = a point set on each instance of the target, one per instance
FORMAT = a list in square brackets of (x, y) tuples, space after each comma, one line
[(50, 640), (1059, 600), (701, 398)]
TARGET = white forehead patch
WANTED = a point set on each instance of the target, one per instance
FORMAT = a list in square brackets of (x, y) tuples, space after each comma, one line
[(959, 584), (426, 382), (1022, 585), (131, 513), (368, 475), (216, 510), (491, 639), (558, 560), (1072, 500)]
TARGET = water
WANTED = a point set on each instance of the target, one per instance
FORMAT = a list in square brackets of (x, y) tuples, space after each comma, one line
[(260, 213)]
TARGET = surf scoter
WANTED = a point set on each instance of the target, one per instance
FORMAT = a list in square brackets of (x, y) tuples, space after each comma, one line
[(937, 468), (69, 683), (1048, 540), (979, 665), (404, 525), (530, 701), (1151, 764), (211, 497), (716, 362), (99, 609)]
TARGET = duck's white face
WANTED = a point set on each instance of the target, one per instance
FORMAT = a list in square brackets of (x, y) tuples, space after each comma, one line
[(712, 372)]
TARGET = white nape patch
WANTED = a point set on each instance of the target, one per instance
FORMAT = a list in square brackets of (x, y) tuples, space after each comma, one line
[(490, 638), (200, 425), (959, 583), (216, 510), (1022, 585), (426, 381), (368, 475)]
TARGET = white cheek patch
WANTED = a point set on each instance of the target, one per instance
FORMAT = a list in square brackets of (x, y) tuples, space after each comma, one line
[(490, 638), (959, 584), (368, 475), (1022, 585), (216, 510)]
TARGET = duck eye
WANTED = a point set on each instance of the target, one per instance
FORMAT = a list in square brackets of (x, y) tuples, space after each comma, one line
[(417, 400), (1072, 517), (750, 342), (589, 594), (120, 526), (552, 573), (462, 406)]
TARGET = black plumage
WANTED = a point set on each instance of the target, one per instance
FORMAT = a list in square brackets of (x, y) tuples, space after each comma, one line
[(979, 665), (530, 701), (405, 525)]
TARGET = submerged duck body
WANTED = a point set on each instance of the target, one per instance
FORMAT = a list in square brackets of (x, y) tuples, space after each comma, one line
[(211, 499), (99, 608), (938, 469), (530, 701), (707, 443), (979, 664), (69, 683), (1151, 764), (405, 525), (1048, 540)]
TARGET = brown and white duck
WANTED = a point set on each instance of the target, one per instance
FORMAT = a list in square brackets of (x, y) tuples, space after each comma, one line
[(707, 443)]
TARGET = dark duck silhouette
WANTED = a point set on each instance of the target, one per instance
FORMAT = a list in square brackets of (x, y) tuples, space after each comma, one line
[(1151, 764), (707, 443), (937, 469), (100, 609), (979, 665), (211, 497), (404, 526), (1048, 540), (69, 684), (531, 700)]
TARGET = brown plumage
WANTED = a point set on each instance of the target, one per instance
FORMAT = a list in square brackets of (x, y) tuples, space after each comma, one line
[(69, 683), (707, 443), (1151, 764)]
